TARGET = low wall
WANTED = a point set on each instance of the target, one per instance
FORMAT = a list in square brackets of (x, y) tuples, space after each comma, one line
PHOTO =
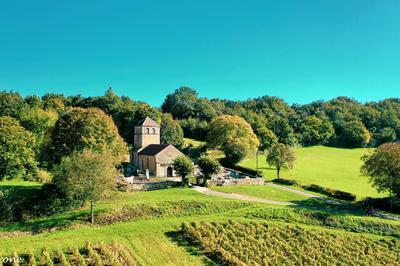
[(146, 186)]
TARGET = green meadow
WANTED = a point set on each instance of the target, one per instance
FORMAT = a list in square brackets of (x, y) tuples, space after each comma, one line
[(325, 166), (149, 223)]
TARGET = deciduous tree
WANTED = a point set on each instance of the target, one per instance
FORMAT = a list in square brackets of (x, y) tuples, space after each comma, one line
[(383, 168), (171, 131), (17, 150), (315, 131), (80, 129), (183, 166), (281, 156), (231, 133), (86, 176), (209, 167)]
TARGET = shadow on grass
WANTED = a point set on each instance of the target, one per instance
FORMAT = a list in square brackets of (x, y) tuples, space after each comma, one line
[(48, 223), (267, 168), (178, 238), (333, 207), (20, 191)]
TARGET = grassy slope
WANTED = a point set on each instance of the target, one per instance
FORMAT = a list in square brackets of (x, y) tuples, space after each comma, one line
[(265, 192), (149, 239), (329, 167)]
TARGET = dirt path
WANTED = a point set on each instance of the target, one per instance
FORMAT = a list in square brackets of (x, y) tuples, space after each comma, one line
[(207, 191), (296, 191)]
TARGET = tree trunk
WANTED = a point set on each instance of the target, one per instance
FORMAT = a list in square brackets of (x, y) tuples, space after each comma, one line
[(185, 181), (204, 181), (91, 213), (278, 170)]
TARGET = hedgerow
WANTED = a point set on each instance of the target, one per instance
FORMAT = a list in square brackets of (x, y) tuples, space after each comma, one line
[(304, 216), (255, 243)]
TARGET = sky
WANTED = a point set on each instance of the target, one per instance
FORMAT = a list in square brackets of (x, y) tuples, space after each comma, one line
[(300, 51)]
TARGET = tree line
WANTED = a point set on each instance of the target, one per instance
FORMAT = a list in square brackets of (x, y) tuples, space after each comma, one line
[(341, 122)]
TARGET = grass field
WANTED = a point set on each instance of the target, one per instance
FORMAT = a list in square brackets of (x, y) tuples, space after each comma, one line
[(329, 167), (154, 225), (264, 192)]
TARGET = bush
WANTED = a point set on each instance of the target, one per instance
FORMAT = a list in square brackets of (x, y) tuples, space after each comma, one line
[(287, 182), (34, 203), (338, 194), (385, 204), (43, 176), (303, 216)]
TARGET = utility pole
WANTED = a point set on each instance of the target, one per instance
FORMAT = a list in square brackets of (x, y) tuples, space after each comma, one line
[(257, 163)]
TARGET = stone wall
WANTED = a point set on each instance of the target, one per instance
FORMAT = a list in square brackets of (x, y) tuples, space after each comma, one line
[(147, 186)]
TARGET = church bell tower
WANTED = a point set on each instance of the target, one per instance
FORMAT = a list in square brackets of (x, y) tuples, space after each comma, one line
[(145, 134)]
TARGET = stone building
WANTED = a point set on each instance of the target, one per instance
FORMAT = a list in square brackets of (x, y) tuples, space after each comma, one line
[(149, 154)]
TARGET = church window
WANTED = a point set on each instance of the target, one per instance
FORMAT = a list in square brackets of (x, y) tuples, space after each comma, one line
[(148, 130), (154, 131)]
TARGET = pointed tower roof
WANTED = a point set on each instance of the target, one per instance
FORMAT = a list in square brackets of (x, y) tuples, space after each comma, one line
[(148, 122)]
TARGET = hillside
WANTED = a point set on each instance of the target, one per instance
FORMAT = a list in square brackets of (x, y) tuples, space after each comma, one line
[(146, 222), (325, 166)]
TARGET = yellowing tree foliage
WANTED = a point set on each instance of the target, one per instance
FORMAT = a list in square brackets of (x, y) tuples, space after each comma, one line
[(227, 131), (91, 128)]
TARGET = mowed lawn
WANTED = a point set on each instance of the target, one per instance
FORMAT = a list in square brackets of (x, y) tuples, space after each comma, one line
[(325, 166), (265, 192)]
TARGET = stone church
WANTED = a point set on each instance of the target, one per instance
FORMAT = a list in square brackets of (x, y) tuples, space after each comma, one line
[(149, 154)]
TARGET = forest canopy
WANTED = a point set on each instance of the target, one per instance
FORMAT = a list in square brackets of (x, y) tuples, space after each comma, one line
[(340, 122)]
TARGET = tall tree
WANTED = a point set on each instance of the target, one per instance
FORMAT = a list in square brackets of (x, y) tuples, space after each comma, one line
[(171, 131), (181, 103), (350, 131), (80, 129), (315, 131), (383, 168), (228, 132), (11, 104), (282, 130), (281, 156), (17, 150), (86, 176), (39, 121)]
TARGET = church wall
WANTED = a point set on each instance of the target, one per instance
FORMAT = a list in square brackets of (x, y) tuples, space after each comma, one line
[(148, 162)]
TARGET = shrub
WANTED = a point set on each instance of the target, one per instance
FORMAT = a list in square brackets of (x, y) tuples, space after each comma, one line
[(34, 203), (338, 194), (287, 182), (43, 176), (386, 204), (352, 224)]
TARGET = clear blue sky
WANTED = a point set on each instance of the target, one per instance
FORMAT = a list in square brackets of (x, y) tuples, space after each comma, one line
[(298, 50)]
